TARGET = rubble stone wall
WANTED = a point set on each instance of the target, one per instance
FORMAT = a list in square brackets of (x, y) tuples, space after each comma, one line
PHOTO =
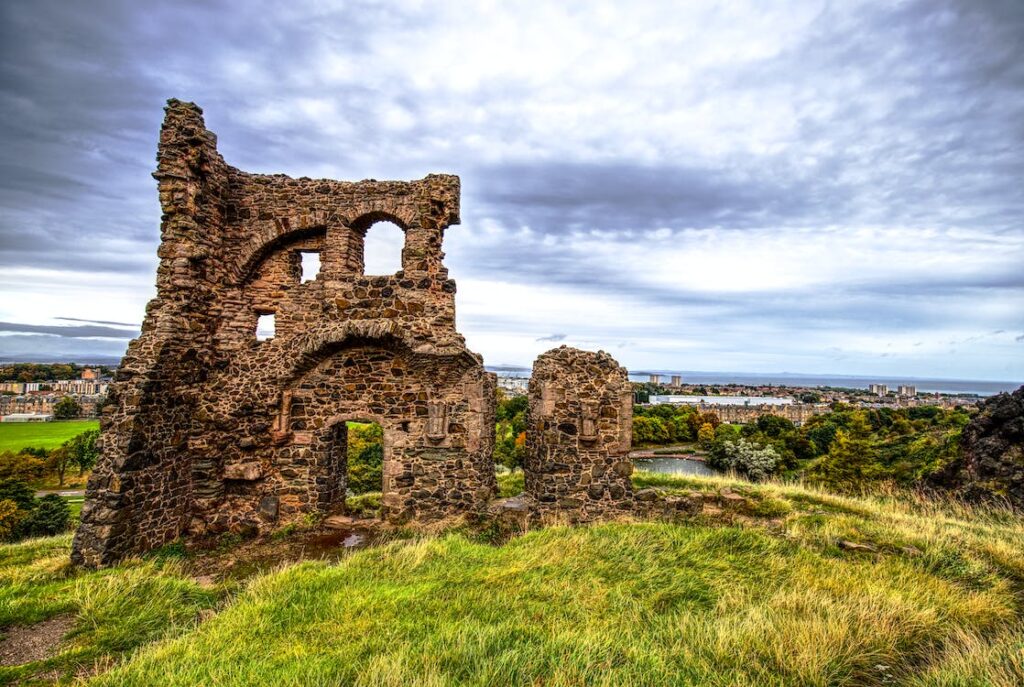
[(210, 429), (579, 431)]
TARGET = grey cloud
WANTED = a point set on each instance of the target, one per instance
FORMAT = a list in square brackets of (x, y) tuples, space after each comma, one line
[(69, 331), (904, 115), (116, 324), (553, 338)]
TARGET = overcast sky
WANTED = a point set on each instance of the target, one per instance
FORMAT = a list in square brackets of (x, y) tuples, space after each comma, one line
[(816, 187)]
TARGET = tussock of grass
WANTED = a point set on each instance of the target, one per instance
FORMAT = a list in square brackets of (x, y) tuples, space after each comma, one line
[(796, 586), (613, 604), (114, 610)]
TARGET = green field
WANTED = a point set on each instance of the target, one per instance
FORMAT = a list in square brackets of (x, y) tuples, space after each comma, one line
[(15, 436), (789, 586)]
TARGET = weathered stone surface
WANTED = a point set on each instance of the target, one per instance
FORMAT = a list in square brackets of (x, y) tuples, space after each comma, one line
[(213, 430), (991, 464), (579, 432), (248, 472)]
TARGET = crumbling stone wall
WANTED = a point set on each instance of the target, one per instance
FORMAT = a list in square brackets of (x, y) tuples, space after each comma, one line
[(579, 431), (210, 429)]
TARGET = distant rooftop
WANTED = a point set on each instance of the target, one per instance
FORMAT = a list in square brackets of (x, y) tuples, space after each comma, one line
[(722, 400)]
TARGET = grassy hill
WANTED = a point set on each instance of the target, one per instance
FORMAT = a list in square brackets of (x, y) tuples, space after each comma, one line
[(771, 585), (15, 436)]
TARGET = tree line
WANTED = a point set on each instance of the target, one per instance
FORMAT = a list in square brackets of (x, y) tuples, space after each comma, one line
[(847, 449)]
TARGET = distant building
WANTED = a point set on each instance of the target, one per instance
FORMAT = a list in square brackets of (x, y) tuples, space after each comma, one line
[(907, 391), (516, 385), (655, 379), (878, 389), (721, 400), (13, 387), (677, 380), (90, 374), (27, 417)]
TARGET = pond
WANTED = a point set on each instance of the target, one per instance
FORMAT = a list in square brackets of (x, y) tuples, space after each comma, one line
[(673, 466)]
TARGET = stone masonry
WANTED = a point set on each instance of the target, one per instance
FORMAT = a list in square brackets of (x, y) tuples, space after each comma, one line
[(211, 430), (579, 431)]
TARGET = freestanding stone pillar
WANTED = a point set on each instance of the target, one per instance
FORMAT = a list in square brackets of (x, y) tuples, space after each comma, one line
[(579, 434)]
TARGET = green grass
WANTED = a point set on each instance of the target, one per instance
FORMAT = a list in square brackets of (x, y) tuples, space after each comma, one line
[(114, 610), (15, 436), (765, 593)]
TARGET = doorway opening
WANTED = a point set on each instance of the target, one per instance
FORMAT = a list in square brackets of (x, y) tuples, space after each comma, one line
[(359, 461)]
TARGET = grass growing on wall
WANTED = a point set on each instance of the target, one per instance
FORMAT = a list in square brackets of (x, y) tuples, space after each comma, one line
[(15, 436)]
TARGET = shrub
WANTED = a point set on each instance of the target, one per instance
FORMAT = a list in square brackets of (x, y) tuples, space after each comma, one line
[(10, 517), (22, 466), (706, 435), (50, 516), (743, 457)]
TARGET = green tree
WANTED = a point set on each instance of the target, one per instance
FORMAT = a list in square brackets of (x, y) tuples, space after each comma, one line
[(66, 409), (50, 516), (851, 463), (744, 457), (365, 454), (19, 492), (83, 451), (58, 462)]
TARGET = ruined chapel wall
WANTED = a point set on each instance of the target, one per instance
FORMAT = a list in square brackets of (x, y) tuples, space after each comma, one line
[(139, 492), (196, 439)]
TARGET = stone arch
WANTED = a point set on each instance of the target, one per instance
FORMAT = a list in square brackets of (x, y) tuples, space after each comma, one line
[(437, 439), (361, 227), (268, 235)]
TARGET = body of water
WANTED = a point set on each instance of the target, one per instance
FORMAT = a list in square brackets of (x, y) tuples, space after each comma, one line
[(925, 385), (673, 466), (944, 386)]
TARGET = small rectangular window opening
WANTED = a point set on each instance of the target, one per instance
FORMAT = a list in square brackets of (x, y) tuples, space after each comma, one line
[(265, 327), (310, 265)]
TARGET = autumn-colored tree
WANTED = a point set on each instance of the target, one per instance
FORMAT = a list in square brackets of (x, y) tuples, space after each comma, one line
[(706, 435)]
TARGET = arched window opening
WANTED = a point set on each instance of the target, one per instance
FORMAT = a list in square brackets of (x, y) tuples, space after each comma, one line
[(382, 248), (310, 264), (265, 327)]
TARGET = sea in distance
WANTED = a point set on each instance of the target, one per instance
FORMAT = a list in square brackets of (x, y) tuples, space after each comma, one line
[(944, 386)]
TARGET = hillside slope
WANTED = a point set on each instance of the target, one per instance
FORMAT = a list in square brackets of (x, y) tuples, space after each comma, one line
[(771, 585)]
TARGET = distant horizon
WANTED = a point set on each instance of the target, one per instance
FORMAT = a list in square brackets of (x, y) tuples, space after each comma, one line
[(702, 375)]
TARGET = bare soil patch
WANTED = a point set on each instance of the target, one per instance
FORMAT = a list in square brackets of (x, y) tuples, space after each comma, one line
[(27, 643)]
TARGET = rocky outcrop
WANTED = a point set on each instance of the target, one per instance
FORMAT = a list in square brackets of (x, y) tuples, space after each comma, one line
[(992, 449)]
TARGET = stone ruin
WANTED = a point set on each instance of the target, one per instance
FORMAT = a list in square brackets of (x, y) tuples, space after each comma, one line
[(210, 430), (579, 434)]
